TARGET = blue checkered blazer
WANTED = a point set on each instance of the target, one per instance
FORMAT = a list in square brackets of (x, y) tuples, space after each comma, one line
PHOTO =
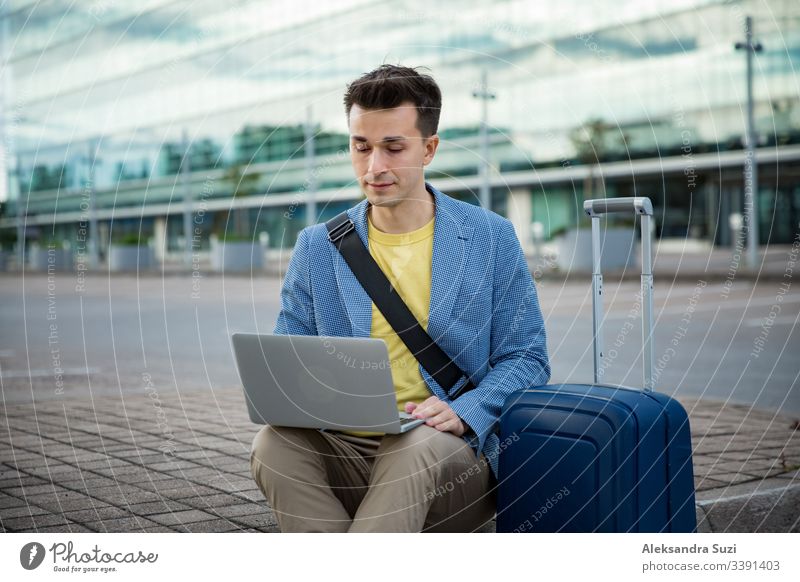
[(484, 310)]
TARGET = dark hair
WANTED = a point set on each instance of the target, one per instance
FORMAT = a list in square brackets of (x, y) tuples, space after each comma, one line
[(390, 85)]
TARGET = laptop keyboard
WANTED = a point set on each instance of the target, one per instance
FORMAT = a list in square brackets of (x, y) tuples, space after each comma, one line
[(404, 421)]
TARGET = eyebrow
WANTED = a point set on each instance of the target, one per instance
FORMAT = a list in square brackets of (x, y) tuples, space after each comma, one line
[(387, 139)]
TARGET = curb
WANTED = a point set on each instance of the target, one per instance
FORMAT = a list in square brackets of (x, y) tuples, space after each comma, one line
[(768, 506), (680, 277)]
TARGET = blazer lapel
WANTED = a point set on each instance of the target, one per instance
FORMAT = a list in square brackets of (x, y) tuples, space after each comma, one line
[(452, 241), (356, 301)]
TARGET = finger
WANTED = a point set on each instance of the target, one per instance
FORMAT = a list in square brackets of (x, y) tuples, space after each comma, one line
[(425, 411), (444, 416), (410, 406), (429, 402), (451, 425)]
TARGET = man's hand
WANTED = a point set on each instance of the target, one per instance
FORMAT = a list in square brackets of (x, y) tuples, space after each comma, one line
[(438, 414)]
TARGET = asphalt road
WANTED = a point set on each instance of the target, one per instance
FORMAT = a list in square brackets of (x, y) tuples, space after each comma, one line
[(171, 334)]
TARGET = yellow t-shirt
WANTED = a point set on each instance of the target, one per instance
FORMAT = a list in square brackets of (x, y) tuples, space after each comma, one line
[(405, 259)]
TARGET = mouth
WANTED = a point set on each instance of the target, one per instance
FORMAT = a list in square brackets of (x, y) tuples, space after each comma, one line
[(381, 186)]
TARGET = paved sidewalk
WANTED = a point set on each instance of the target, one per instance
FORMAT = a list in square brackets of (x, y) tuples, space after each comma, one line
[(81, 465), (672, 263)]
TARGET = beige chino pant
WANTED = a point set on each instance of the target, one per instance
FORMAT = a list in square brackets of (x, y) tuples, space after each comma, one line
[(328, 481)]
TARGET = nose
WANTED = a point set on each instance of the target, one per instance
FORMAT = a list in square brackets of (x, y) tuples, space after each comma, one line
[(377, 163)]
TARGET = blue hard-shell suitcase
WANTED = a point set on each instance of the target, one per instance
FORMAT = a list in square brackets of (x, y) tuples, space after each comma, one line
[(595, 457)]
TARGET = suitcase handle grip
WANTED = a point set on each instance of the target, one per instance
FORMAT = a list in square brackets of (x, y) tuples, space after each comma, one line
[(643, 207), (607, 205)]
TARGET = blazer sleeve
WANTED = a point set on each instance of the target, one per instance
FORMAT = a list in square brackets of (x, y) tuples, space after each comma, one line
[(518, 348), (297, 305)]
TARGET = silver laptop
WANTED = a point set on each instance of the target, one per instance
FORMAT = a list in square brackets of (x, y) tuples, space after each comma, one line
[(333, 383)]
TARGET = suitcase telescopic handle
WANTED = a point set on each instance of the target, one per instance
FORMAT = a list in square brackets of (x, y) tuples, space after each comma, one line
[(644, 208), (606, 205)]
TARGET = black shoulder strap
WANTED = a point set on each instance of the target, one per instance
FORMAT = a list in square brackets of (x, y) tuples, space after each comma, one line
[(342, 233)]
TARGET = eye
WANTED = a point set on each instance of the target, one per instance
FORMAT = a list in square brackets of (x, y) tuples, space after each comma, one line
[(395, 150), (361, 148)]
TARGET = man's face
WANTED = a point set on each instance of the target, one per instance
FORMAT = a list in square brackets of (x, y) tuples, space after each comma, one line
[(389, 153)]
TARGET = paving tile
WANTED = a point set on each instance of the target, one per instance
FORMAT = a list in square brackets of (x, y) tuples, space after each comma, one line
[(65, 501), (51, 469), (732, 478), (764, 473), (213, 526), (181, 517), (129, 470), (34, 490), (237, 510), (234, 463), (200, 455), (233, 484), (195, 473), (184, 492), (155, 507), (165, 484), (122, 450), (214, 501), (68, 528), (756, 455), (23, 481), (104, 465), (7, 473), (96, 514), (37, 461), (259, 521), (793, 475), (59, 478), (22, 511), (149, 458), (116, 497), (142, 478), (18, 454), (173, 466), (251, 496), (234, 450), (31, 523), (704, 484), (746, 466), (214, 441), (22, 441), (126, 524), (90, 459), (88, 483), (705, 459), (9, 501)]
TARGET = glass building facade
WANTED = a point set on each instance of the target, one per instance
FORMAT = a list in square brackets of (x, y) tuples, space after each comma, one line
[(138, 112)]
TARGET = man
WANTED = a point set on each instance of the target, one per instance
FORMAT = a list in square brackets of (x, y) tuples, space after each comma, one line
[(461, 271)]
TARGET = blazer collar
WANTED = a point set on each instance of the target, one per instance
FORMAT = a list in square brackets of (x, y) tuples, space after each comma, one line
[(452, 240)]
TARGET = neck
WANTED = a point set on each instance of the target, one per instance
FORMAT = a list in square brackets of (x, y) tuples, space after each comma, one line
[(411, 214)]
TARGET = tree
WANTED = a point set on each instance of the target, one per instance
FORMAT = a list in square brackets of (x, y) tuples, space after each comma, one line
[(242, 183), (593, 141)]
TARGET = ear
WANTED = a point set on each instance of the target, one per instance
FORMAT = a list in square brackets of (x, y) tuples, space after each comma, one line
[(431, 145)]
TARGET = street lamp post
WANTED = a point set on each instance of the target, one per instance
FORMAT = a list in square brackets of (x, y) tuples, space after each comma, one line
[(311, 182), (188, 203), (94, 231), (483, 93), (750, 162), (22, 219)]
